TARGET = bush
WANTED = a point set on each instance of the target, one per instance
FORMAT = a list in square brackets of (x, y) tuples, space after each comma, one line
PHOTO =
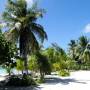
[(22, 80), (64, 73)]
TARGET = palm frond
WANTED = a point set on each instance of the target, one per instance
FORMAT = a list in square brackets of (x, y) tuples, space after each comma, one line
[(83, 41), (28, 42), (39, 30)]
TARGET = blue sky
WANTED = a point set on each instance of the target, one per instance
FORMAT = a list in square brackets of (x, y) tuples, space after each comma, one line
[(64, 20)]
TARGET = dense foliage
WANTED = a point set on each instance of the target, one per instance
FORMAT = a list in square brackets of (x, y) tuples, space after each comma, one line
[(23, 28), (7, 53), (6, 49), (79, 51)]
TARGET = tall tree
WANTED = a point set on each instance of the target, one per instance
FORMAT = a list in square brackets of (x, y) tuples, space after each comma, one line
[(82, 44), (83, 41), (21, 22), (86, 54), (72, 46), (80, 51)]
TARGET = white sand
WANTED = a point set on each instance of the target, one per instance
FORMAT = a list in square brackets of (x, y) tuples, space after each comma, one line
[(79, 80), (2, 78)]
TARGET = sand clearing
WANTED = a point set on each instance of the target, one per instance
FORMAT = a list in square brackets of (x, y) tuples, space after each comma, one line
[(79, 80)]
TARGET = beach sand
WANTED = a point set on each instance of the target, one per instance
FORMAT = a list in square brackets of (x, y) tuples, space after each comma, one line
[(78, 80), (2, 78)]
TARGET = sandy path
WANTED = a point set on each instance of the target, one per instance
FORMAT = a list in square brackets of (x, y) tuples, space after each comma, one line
[(79, 80)]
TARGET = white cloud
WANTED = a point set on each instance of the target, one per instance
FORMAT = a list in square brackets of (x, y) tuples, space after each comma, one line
[(87, 28), (29, 3)]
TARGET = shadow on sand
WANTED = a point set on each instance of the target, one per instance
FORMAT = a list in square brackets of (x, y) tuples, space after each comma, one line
[(20, 88), (56, 80), (48, 81)]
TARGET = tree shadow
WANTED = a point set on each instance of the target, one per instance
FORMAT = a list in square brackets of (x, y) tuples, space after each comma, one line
[(20, 88), (56, 80), (37, 88), (48, 81)]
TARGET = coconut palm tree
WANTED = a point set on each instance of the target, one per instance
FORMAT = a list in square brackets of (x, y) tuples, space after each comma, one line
[(72, 47), (22, 27), (83, 41), (80, 52), (82, 44), (86, 54)]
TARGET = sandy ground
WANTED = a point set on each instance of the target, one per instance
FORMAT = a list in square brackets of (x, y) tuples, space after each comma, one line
[(2, 78), (79, 80)]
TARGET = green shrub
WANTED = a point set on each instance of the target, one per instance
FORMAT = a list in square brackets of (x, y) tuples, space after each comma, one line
[(64, 73), (22, 80)]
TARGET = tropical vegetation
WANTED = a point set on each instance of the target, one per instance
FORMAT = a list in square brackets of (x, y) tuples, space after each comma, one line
[(21, 47)]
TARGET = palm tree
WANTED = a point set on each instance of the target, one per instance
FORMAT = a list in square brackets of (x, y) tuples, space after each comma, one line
[(23, 29), (43, 65), (82, 43), (57, 57), (86, 54), (72, 47), (79, 50)]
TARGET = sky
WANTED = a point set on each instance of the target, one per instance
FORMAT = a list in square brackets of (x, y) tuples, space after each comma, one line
[(64, 20)]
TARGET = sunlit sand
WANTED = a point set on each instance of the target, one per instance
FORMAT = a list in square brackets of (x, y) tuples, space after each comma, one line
[(2, 78), (79, 80)]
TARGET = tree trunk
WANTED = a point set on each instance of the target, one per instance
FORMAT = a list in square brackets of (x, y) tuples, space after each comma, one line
[(41, 75), (22, 71), (9, 73), (25, 64), (23, 49)]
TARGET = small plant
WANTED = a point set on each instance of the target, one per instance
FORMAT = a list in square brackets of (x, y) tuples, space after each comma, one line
[(64, 73)]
